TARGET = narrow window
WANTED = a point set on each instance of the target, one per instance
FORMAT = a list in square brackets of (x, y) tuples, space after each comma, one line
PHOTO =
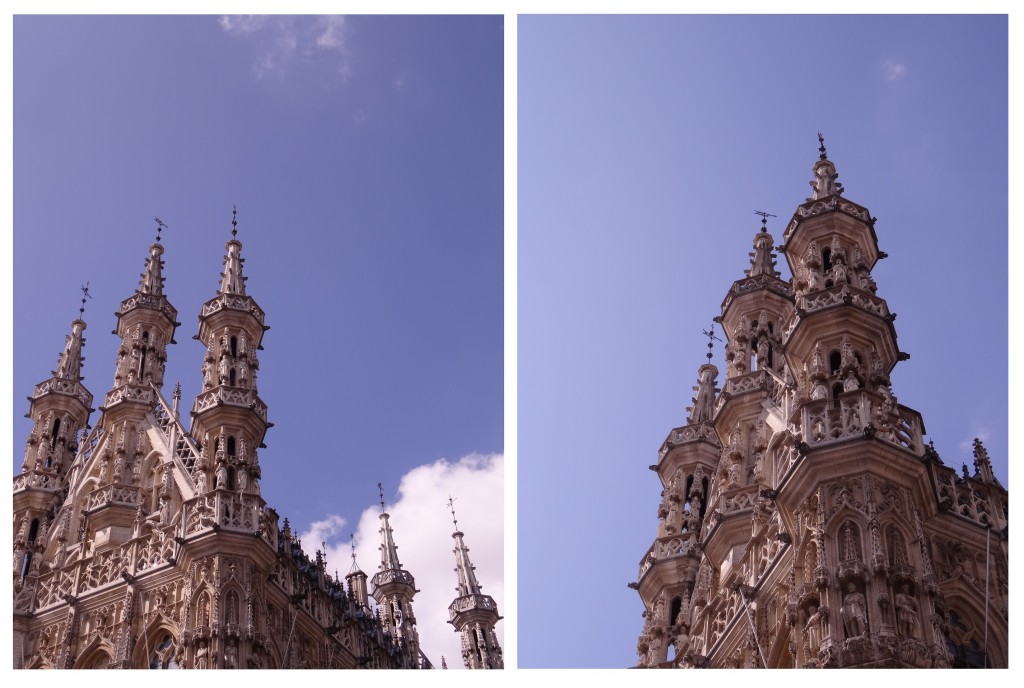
[(54, 433), (231, 378), (234, 346), (834, 359), (33, 530), (837, 389), (826, 259)]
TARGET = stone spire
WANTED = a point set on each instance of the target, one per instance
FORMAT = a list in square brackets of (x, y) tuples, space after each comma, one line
[(762, 260), (388, 549), (824, 183), (232, 281), (69, 365), (982, 464), (464, 568), (152, 281), (394, 588), (703, 408), (473, 613)]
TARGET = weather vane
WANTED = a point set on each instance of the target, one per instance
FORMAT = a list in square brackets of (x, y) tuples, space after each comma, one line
[(451, 507), (160, 226), (764, 219), (85, 295), (821, 148), (710, 334), (234, 221)]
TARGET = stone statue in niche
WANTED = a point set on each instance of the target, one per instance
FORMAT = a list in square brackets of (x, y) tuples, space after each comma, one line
[(906, 612), (222, 476), (854, 612), (850, 383), (813, 630)]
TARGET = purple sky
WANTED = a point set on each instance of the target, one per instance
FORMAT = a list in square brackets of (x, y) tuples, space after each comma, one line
[(365, 156), (645, 145)]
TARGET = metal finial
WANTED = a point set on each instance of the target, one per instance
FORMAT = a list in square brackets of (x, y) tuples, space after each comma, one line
[(160, 226), (764, 219), (710, 334), (177, 390), (451, 508), (85, 295), (821, 148), (352, 539), (380, 490), (234, 221)]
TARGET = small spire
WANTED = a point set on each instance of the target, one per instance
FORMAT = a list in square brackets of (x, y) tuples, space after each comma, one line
[(388, 549), (468, 584), (232, 281), (355, 566), (822, 154), (152, 281), (762, 260)]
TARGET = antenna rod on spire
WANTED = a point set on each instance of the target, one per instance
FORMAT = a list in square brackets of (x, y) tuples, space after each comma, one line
[(710, 334), (764, 219), (451, 507), (160, 226), (85, 295)]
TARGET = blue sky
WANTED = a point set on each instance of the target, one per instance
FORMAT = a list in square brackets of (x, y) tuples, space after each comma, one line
[(645, 144), (365, 156)]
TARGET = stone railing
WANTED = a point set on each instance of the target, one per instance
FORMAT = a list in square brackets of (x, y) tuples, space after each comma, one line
[(152, 302), (39, 480), (113, 494), (230, 511), (740, 500), (467, 602), (392, 576), (62, 386), (858, 413), (230, 396), (235, 302), (667, 547), (130, 392), (756, 283)]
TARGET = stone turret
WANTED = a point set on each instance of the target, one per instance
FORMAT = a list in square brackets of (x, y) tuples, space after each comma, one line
[(473, 614)]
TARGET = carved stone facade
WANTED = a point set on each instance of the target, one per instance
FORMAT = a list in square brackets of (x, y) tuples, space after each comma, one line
[(138, 543), (804, 522)]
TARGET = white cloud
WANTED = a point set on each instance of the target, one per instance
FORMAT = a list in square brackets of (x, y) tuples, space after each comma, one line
[(422, 528), (277, 40), (982, 433), (330, 32), (894, 70), (243, 24)]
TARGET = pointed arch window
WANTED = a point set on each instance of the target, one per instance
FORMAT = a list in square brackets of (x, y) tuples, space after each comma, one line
[(54, 432)]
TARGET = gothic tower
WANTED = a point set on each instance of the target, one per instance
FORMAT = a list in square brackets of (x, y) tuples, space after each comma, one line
[(831, 535), (473, 614), (146, 545), (394, 588)]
